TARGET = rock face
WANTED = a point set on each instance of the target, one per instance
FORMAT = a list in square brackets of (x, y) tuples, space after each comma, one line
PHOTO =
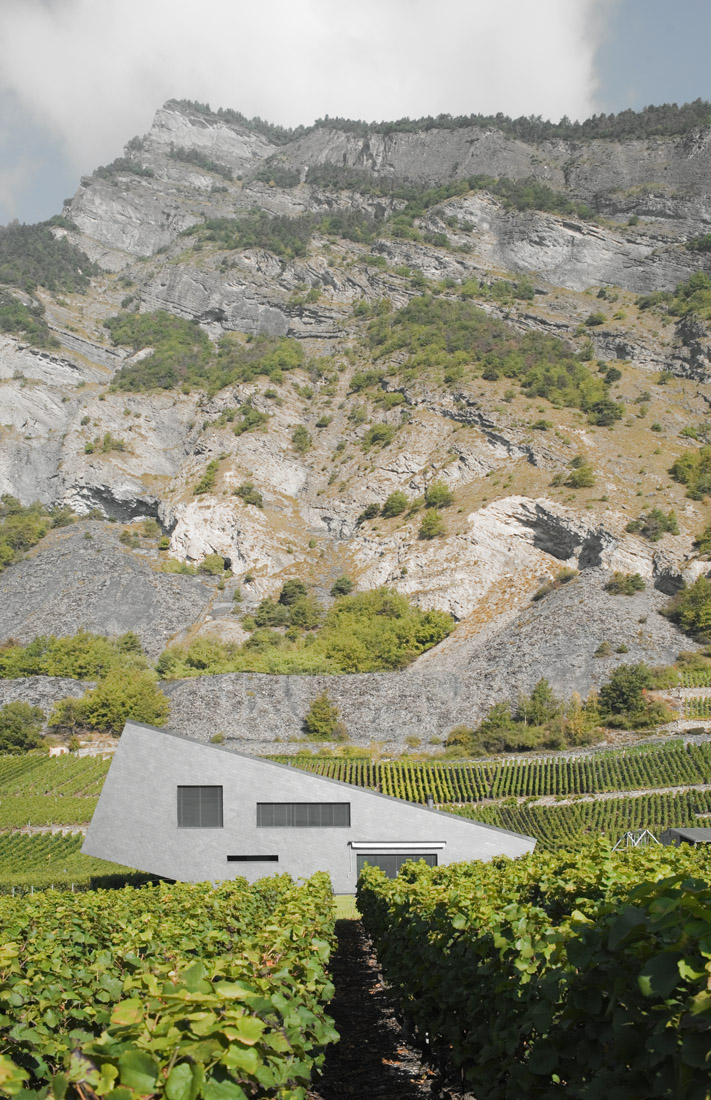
[(453, 684), (41, 691), (377, 418), (80, 577)]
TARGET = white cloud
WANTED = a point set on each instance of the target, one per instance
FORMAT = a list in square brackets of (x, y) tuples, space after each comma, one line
[(13, 180), (94, 73)]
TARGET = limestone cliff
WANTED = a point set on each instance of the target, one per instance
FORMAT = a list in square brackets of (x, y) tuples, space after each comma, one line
[(71, 432)]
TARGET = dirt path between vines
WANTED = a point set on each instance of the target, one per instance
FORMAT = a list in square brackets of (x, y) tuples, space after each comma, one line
[(372, 1061)]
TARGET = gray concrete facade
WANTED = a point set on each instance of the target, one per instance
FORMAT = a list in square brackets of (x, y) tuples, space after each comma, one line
[(136, 819)]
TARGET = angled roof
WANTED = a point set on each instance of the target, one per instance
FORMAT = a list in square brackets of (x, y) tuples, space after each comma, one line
[(335, 782), (697, 836)]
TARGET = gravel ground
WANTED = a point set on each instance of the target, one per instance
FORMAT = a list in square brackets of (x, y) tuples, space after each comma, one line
[(373, 1059)]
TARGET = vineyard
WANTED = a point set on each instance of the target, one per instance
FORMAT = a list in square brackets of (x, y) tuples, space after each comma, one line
[(697, 708), (695, 678), (570, 825), (554, 976), (669, 765), (63, 791), (40, 790), (43, 860), (181, 992)]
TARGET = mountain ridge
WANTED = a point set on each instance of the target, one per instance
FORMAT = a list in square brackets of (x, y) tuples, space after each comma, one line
[(163, 224)]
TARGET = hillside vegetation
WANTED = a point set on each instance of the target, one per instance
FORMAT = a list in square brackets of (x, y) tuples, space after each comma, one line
[(34, 255), (668, 119)]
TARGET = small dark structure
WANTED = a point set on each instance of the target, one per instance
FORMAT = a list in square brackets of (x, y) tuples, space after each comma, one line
[(685, 836)]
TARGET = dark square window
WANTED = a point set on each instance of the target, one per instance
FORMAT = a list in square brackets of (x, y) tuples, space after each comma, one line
[(200, 807)]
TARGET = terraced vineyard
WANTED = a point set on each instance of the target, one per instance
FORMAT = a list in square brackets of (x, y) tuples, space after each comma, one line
[(40, 790), (669, 765), (695, 677), (697, 708), (46, 860), (569, 825)]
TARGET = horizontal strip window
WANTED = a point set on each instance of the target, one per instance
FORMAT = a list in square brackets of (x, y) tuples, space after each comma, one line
[(391, 862), (300, 815), (200, 807), (253, 859)]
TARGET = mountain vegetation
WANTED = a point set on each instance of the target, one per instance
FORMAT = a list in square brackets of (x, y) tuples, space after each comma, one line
[(364, 632), (33, 255), (181, 354), (467, 379), (667, 120), (22, 527)]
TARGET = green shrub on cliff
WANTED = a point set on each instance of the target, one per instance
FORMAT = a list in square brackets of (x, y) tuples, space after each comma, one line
[(125, 684), (321, 722), (461, 342), (365, 632), (693, 469), (539, 720), (22, 527), (182, 355), (122, 694), (80, 656), (690, 609), (653, 525), (26, 321), (20, 726), (31, 256), (284, 236)]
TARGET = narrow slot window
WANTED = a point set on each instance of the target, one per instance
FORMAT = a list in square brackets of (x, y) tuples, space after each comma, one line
[(253, 859)]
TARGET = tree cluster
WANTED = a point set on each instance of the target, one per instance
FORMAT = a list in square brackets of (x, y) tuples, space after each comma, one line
[(27, 321), (463, 342), (22, 527), (541, 720), (664, 120), (365, 632), (31, 256), (182, 355)]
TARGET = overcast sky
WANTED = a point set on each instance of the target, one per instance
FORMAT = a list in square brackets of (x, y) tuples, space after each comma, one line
[(78, 78)]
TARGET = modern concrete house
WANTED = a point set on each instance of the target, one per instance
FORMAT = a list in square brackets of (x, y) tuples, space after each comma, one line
[(185, 810)]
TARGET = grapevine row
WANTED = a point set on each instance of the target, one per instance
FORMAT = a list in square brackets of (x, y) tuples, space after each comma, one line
[(169, 991), (695, 677), (675, 764), (43, 860), (40, 790), (553, 977), (564, 826), (35, 773), (697, 708)]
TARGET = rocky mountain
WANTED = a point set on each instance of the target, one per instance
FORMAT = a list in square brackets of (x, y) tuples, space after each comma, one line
[(302, 325)]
